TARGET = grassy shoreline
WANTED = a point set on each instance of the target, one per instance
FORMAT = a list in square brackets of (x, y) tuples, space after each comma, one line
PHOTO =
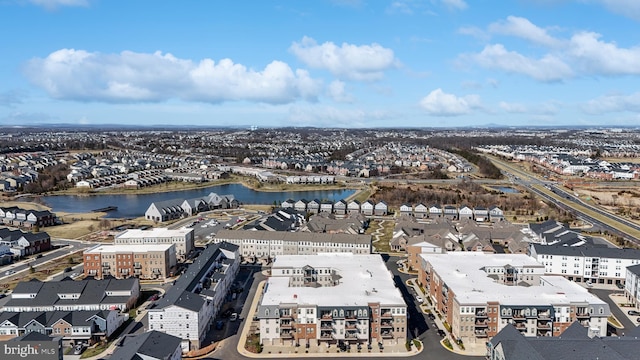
[(175, 186)]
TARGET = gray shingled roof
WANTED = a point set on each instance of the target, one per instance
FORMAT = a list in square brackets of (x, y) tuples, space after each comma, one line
[(587, 251), (150, 345), (574, 343)]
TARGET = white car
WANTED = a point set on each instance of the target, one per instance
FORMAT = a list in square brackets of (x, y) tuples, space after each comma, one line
[(233, 317), (419, 299)]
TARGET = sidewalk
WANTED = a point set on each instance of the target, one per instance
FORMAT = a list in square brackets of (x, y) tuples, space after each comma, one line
[(278, 351), (470, 349)]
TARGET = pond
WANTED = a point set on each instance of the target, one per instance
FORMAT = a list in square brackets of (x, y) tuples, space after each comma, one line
[(132, 205), (506, 189)]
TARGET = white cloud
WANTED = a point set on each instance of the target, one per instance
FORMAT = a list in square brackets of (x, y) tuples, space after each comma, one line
[(316, 115), (140, 77), (548, 68), (337, 92), (523, 28), (54, 4), (613, 103), (599, 57), (513, 108), (455, 4), (363, 62), (475, 32), (439, 103), (548, 108)]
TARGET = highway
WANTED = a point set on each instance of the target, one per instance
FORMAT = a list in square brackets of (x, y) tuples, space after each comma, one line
[(576, 205)]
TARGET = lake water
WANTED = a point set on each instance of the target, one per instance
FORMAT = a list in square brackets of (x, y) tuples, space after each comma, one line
[(131, 205), (506, 189)]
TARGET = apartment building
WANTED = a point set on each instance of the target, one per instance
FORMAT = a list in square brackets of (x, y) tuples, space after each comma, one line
[(123, 261), (632, 285), (331, 298), (595, 264), (189, 307), (478, 294), (183, 239), (271, 244)]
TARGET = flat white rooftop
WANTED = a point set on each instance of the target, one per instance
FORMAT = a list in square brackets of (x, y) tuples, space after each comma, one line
[(154, 232), (364, 279), (137, 248), (464, 274)]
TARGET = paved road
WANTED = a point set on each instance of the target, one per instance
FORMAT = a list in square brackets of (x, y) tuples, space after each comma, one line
[(526, 180), (65, 247), (615, 310)]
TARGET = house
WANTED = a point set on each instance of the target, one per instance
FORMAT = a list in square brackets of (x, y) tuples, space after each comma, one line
[(465, 213), (151, 345), (69, 295), (326, 206), (406, 209), (480, 213), (340, 207), (496, 214), (353, 207), (301, 205), (194, 206), (435, 212), (288, 204), (164, 210), (367, 208), (421, 211), (313, 206), (450, 212), (381, 209)]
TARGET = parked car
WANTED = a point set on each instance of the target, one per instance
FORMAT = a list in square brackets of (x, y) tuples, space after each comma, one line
[(620, 286), (633, 313), (419, 299), (441, 333), (233, 317), (226, 313), (77, 350), (9, 272), (68, 269)]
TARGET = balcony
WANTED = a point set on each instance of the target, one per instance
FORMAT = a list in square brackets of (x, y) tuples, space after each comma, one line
[(481, 314), (583, 315), (387, 335), (326, 336), (545, 325), (386, 324), (286, 316), (137, 266), (326, 327), (327, 316), (286, 325), (482, 323), (544, 315), (519, 317), (350, 326), (386, 314), (481, 333), (521, 326), (286, 335)]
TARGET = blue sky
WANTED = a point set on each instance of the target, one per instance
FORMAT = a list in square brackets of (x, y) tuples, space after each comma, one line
[(324, 63)]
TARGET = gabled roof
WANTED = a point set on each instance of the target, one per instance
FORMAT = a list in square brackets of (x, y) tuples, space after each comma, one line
[(150, 345)]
